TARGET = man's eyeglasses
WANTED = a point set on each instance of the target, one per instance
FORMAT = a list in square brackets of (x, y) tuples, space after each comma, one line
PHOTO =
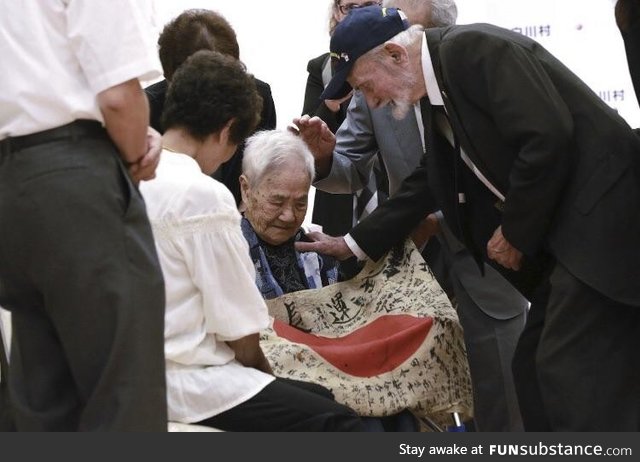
[(344, 9)]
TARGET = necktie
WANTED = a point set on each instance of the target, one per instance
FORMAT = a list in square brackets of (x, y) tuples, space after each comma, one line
[(374, 192)]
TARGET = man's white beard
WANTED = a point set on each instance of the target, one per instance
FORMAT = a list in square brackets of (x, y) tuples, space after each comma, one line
[(402, 104)]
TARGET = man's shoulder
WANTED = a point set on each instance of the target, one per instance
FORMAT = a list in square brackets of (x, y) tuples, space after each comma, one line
[(157, 90), (264, 89), (477, 33), (317, 62)]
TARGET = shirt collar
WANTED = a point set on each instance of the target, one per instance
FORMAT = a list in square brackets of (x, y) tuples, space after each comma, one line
[(431, 84)]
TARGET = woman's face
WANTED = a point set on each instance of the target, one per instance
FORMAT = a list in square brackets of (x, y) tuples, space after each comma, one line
[(277, 206), (344, 6)]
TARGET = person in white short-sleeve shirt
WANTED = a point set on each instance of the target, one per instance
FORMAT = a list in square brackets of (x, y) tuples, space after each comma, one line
[(78, 267)]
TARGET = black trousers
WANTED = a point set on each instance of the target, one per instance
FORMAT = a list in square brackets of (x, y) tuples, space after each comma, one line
[(79, 272), (288, 405), (577, 366)]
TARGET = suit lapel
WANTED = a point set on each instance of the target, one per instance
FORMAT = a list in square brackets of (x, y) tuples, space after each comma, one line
[(434, 37)]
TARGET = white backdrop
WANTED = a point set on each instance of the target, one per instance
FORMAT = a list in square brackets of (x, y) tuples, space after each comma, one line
[(278, 38)]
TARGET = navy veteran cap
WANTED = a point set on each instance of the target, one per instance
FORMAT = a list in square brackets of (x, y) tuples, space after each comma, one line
[(361, 31)]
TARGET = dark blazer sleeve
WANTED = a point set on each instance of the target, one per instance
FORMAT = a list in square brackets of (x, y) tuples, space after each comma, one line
[(268, 115), (394, 220), (313, 105), (156, 94)]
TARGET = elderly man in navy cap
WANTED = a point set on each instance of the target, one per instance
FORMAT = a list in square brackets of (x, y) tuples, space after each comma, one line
[(491, 311), (537, 176)]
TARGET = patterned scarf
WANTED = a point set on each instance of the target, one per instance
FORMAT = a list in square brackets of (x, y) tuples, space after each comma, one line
[(281, 269)]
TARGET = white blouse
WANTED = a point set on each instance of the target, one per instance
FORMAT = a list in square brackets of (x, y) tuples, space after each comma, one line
[(211, 296)]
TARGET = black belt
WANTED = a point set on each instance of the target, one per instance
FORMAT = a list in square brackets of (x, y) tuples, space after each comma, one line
[(72, 131)]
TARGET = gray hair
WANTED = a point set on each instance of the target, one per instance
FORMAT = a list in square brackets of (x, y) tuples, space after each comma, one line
[(269, 150), (442, 12), (408, 38)]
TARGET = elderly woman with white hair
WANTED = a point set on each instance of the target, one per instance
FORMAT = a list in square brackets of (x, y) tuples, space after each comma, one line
[(278, 169)]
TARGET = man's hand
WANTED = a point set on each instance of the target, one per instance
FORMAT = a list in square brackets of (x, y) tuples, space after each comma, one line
[(426, 229), (321, 141), (324, 244), (145, 168), (501, 251)]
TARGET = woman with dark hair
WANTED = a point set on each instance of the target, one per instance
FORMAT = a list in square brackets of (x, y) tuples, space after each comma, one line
[(217, 374), (202, 29)]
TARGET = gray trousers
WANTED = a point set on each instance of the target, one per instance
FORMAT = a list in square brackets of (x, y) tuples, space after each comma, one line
[(79, 272), (493, 314), (490, 344)]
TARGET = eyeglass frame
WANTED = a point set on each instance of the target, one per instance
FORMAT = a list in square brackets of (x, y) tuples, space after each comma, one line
[(353, 6)]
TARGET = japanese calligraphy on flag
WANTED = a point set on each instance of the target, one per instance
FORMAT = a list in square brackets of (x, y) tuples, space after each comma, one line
[(386, 340)]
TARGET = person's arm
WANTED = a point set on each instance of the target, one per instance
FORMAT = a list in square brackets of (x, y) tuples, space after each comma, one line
[(103, 36), (354, 153), (503, 252), (249, 353), (395, 219), (390, 223), (324, 244), (126, 117), (319, 138), (218, 261)]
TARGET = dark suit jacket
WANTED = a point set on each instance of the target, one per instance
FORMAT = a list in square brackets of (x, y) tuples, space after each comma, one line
[(630, 10), (313, 105), (229, 173), (567, 163), (333, 211)]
